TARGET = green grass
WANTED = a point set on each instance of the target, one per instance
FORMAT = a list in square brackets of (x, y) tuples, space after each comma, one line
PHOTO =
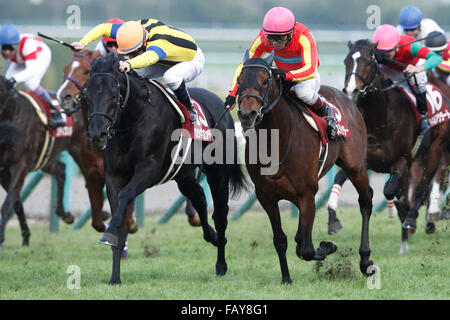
[(172, 261)]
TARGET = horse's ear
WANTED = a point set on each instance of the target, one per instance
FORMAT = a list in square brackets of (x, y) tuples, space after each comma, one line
[(350, 45), (246, 56), (269, 59)]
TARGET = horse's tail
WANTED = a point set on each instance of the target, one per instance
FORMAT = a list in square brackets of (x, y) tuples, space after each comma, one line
[(8, 136), (238, 180)]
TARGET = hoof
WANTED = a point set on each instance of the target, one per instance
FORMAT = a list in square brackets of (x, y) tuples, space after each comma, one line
[(334, 227), (325, 248), (194, 220), (430, 228), (286, 280), (410, 223), (68, 218), (109, 239), (221, 269), (367, 269), (114, 282), (105, 215), (404, 248), (211, 237)]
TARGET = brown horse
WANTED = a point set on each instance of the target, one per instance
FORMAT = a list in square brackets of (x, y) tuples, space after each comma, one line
[(392, 131), (23, 138), (262, 107), (76, 76)]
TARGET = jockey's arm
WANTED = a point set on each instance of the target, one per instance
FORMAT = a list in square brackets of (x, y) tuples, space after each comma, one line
[(432, 59), (102, 30), (30, 69), (152, 55), (310, 57)]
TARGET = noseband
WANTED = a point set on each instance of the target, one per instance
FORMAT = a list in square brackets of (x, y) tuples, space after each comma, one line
[(119, 105), (82, 89), (265, 100), (369, 85)]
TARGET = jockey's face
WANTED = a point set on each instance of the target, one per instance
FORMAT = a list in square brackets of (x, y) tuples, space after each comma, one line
[(9, 51), (413, 32), (279, 42), (391, 54), (112, 46)]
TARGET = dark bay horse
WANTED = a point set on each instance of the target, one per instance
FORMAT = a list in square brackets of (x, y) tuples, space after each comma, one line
[(263, 107), (132, 121), (392, 131), (23, 137), (70, 95)]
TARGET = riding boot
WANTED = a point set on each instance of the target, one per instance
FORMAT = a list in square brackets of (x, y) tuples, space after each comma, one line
[(422, 106), (323, 110), (56, 119), (183, 96)]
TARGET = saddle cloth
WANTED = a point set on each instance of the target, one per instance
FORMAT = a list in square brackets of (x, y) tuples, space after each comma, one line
[(42, 109), (198, 130), (319, 124), (437, 109)]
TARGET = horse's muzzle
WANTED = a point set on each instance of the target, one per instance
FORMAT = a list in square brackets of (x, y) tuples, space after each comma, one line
[(248, 118), (98, 143)]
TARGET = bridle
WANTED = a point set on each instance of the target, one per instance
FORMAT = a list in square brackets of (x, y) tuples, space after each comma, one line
[(81, 95), (119, 106), (369, 85), (265, 100)]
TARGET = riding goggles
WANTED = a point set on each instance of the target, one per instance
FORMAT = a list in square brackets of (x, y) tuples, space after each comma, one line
[(9, 47), (278, 38)]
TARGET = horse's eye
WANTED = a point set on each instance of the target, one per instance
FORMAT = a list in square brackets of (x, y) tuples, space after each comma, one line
[(87, 72)]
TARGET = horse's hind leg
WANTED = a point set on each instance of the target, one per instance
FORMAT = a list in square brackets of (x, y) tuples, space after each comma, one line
[(58, 169), (360, 180), (279, 237), (23, 223), (334, 225), (431, 163), (191, 189)]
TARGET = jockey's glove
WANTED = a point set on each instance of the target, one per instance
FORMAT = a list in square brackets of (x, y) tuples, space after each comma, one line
[(229, 102), (279, 74), (10, 83)]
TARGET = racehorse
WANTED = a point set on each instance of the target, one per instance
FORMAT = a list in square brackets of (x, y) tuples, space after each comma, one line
[(441, 176), (262, 107), (132, 121), (391, 127), (70, 95), (22, 141)]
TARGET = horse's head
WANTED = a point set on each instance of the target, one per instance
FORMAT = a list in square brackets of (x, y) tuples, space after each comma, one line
[(104, 93), (361, 68), (76, 76), (256, 88)]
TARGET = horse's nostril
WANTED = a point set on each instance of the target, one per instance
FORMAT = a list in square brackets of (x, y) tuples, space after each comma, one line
[(67, 97)]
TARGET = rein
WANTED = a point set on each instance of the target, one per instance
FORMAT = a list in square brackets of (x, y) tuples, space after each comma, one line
[(82, 89), (119, 106)]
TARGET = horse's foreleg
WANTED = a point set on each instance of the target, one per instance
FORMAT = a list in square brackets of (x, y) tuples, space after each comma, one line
[(402, 205), (23, 223), (18, 173), (279, 237), (334, 225)]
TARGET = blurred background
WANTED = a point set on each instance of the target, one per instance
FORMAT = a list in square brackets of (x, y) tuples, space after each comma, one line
[(223, 29)]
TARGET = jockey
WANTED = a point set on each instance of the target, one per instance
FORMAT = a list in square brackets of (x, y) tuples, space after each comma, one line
[(30, 59), (107, 44), (406, 50), (412, 23), (296, 57), (438, 43), (154, 49)]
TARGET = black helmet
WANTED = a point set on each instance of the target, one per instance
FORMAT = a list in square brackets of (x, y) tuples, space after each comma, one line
[(436, 41)]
